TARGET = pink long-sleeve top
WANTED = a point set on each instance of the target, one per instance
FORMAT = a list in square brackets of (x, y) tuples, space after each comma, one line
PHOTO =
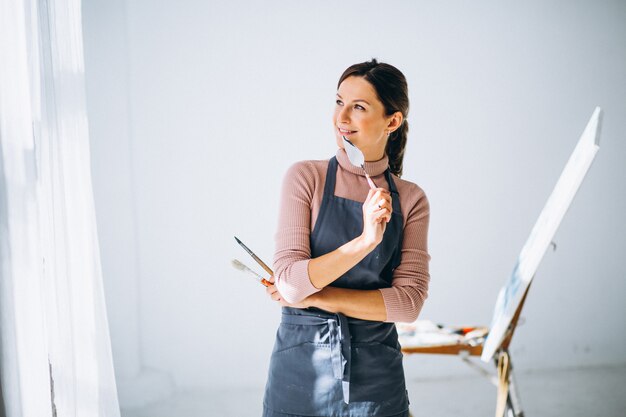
[(301, 199)]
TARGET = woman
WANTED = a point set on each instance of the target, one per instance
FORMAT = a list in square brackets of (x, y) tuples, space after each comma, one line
[(350, 261)]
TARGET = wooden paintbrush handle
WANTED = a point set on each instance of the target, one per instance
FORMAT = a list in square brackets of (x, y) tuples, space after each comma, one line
[(369, 181)]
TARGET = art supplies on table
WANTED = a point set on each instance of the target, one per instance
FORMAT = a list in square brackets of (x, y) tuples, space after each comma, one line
[(421, 333)]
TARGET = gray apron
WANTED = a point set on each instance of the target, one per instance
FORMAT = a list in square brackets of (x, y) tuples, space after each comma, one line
[(326, 364)]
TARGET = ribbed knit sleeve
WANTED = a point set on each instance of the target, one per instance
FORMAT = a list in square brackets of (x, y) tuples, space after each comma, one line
[(293, 251), (409, 288)]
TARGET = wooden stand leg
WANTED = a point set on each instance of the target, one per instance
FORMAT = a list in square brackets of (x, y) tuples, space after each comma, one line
[(508, 402), (514, 401), (502, 366)]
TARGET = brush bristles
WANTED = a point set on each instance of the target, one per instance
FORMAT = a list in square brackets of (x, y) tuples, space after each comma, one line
[(237, 264)]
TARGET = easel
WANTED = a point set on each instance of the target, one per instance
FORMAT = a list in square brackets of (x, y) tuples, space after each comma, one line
[(507, 400), (496, 345)]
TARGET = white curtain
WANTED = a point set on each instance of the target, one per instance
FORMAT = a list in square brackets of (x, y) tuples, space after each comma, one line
[(55, 353)]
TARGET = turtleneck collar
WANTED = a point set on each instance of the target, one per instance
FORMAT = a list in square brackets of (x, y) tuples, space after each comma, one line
[(373, 168)]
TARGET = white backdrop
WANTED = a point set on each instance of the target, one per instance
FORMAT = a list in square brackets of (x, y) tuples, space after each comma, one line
[(198, 108)]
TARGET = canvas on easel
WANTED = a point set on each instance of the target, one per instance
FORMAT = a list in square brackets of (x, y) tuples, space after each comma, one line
[(511, 297), (542, 233)]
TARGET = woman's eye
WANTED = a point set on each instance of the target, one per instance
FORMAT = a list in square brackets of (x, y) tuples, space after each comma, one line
[(359, 107), (339, 102)]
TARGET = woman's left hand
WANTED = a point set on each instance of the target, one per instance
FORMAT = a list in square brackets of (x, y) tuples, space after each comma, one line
[(275, 295)]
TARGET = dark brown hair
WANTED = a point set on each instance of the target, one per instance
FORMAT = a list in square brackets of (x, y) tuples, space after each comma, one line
[(392, 90)]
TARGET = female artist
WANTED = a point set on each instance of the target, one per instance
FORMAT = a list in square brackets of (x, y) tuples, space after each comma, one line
[(350, 261)]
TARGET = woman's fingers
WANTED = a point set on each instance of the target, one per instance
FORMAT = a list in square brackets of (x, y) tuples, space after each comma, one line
[(377, 210), (272, 291), (379, 197), (382, 214), (275, 295), (379, 203), (373, 192), (384, 203)]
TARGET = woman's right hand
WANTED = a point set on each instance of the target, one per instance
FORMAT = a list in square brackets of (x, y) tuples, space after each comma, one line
[(377, 211)]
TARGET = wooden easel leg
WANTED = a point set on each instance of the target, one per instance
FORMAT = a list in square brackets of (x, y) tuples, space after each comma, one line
[(508, 402), (502, 365), (514, 400)]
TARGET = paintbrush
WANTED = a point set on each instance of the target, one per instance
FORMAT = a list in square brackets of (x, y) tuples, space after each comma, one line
[(240, 266), (356, 158), (256, 258)]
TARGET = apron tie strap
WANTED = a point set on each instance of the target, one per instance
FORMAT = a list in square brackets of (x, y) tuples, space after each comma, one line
[(340, 352)]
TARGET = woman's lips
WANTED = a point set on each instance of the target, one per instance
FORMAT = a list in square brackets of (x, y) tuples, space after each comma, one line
[(346, 132)]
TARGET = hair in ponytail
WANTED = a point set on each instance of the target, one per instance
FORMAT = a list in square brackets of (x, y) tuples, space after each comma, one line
[(392, 90), (395, 147)]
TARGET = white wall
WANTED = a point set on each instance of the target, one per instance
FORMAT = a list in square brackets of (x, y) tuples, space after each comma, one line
[(197, 108), (107, 87)]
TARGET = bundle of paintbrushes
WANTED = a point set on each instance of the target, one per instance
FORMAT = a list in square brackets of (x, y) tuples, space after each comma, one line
[(242, 267)]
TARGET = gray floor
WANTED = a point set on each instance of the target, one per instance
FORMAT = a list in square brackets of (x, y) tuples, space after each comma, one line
[(577, 392)]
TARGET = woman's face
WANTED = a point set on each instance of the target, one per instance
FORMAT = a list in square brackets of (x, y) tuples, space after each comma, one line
[(360, 116)]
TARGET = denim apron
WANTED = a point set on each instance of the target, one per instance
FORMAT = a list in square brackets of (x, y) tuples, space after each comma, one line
[(326, 364)]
